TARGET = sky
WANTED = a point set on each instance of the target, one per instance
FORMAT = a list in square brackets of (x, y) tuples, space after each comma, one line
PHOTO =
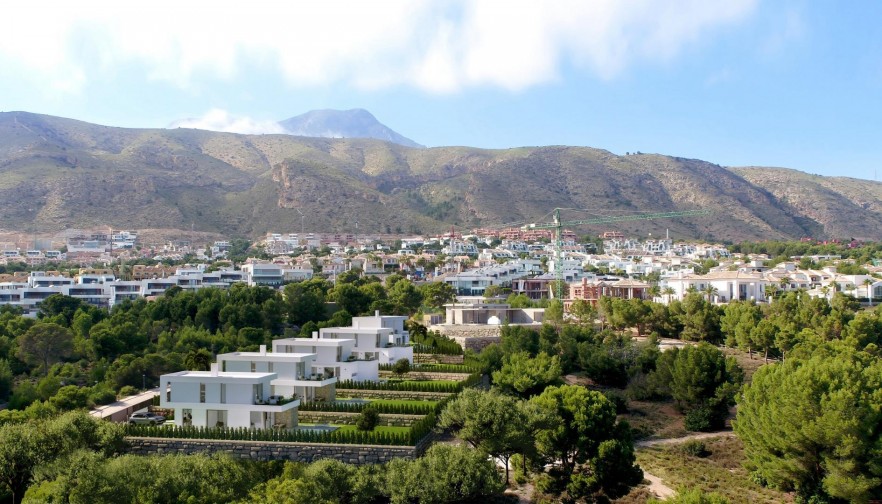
[(784, 83)]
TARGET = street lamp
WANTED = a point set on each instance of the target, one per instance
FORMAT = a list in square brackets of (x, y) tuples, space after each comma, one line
[(143, 382)]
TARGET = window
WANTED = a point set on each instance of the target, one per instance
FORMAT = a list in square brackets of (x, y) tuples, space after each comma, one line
[(223, 393), (202, 392), (339, 353), (168, 391), (253, 366), (269, 367), (258, 392)]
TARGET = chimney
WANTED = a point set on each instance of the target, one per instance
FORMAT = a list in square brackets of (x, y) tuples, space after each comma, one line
[(377, 313), (214, 369), (262, 349), (314, 334)]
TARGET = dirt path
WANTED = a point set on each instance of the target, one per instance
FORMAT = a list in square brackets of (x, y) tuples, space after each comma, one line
[(656, 485), (701, 435)]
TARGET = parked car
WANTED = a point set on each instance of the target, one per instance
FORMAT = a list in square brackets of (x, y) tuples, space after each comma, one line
[(146, 418)]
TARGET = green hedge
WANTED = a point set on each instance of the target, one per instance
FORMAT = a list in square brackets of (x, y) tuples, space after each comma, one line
[(426, 386), (389, 409), (416, 433), (437, 368)]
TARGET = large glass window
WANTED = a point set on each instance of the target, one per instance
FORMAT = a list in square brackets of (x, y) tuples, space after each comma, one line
[(223, 393), (202, 392)]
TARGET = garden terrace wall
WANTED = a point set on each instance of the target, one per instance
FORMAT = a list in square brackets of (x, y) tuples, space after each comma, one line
[(426, 375), (333, 417), (426, 358), (393, 394), (268, 450)]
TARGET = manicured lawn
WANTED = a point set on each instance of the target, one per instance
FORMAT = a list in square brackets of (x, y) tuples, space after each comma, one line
[(410, 382), (381, 428)]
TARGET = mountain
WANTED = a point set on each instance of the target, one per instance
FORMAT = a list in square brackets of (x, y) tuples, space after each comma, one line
[(355, 123), (60, 173)]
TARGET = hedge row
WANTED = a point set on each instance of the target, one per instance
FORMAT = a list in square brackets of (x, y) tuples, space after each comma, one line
[(382, 408), (437, 368), (440, 348), (411, 386), (416, 433)]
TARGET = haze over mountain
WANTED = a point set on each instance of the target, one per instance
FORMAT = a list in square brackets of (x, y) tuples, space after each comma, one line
[(354, 123), (59, 173)]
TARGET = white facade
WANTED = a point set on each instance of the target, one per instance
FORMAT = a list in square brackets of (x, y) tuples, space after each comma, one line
[(295, 373), (226, 399), (378, 337), (333, 357)]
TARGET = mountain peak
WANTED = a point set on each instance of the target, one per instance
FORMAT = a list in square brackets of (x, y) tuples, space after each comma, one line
[(352, 123)]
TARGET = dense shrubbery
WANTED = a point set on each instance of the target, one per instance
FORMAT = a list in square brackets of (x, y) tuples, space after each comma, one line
[(410, 386), (437, 368)]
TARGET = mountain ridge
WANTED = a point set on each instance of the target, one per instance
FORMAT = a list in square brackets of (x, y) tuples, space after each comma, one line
[(352, 123), (60, 173)]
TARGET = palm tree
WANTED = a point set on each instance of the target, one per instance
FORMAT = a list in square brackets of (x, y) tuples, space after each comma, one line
[(771, 291), (655, 291), (784, 282), (711, 291), (669, 292), (868, 283)]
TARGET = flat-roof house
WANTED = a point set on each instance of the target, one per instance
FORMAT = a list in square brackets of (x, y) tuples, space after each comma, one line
[(226, 399), (295, 374)]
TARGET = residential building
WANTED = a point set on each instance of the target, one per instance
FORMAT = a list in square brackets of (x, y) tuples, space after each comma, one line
[(295, 375), (226, 399)]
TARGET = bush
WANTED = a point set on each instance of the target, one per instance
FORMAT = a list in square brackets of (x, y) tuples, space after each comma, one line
[(101, 395), (401, 367), (699, 420), (367, 420), (618, 400), (695, 448), (126, 391)]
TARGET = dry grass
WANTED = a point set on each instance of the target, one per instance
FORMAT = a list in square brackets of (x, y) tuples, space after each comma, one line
[(748, 364), (654, 420), (720, 472)]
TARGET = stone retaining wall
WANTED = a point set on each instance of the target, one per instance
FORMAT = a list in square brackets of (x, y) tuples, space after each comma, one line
[(422, 358), (393, 394), (341, 418), (426, 375), (268, 450), (471, 337)]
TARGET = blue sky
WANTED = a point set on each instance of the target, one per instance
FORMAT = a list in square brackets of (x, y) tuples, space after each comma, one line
[(742, 82)]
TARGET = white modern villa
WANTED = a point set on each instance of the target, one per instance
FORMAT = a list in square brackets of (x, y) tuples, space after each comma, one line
[(378, 337), (333, 357), (263, 389), (226, 399), (295, 372)]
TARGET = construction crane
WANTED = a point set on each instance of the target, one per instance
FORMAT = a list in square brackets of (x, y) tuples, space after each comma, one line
[(557, 225)]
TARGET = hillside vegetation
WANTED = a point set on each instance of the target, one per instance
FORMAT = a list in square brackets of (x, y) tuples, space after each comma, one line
[(59, 173)]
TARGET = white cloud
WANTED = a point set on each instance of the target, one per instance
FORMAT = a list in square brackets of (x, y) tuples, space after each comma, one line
[(221, 120), (436, 46)]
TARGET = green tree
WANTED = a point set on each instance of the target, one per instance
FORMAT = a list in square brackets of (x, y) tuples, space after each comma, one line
[(437, 294), (44, 344), (490, 421), (813, 424), (401, 367), (368, 419), (583, 311), (528, 376), (5, 379), (445, 474), (198, 360), (700, 378), (581, 433)]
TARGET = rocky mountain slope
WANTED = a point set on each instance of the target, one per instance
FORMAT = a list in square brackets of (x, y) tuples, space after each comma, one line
[(57, 173), (355, 123)]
